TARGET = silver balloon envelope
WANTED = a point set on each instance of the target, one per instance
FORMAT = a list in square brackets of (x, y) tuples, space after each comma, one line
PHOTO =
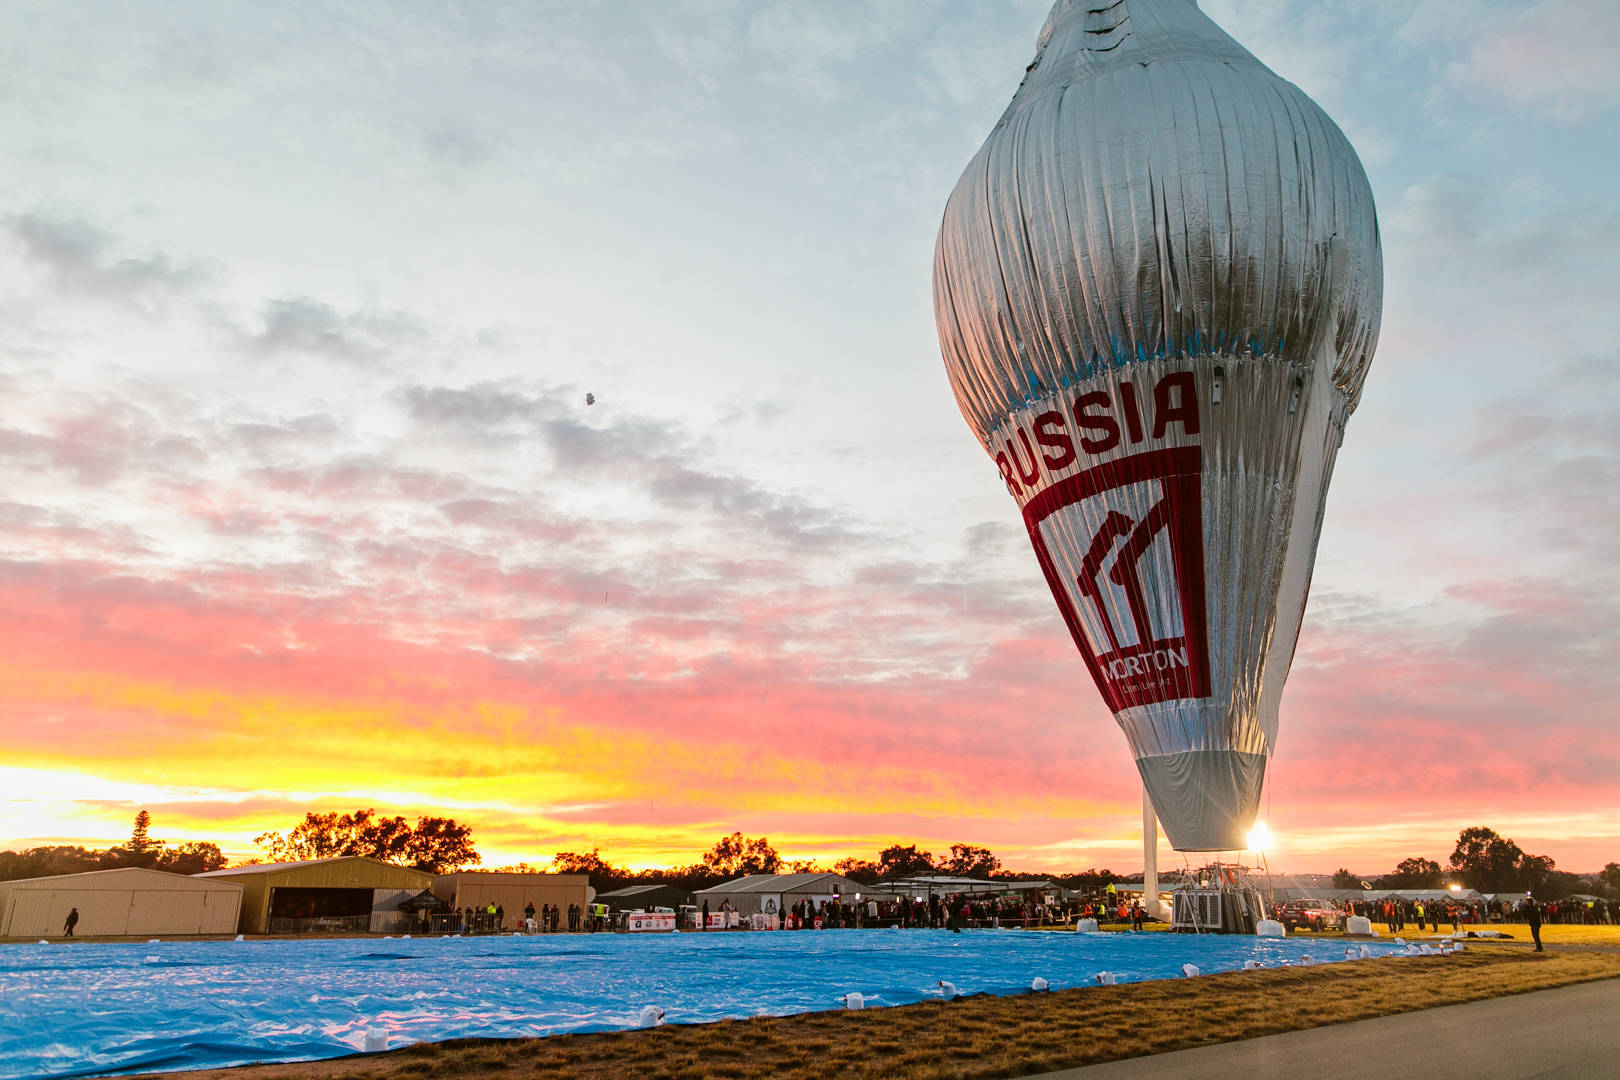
[(1157, 289)]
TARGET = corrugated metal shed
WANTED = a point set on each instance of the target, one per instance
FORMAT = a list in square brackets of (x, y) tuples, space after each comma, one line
[(942, 885), (779, 883), (115, 903), (388, 884), (477, 889), (645, 897), (772, 893)]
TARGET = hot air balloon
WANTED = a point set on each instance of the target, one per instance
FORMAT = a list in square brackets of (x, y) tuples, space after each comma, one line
[(1157, 289)]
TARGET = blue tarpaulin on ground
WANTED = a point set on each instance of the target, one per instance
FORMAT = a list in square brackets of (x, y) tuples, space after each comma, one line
[(87, 1009)]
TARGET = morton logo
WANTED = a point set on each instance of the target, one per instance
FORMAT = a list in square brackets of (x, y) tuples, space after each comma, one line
[(1122, 548)]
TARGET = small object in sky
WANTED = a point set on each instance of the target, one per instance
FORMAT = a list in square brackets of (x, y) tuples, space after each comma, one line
[(590, 399)]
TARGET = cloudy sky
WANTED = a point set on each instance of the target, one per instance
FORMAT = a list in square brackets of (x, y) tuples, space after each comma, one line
[(302, 507)]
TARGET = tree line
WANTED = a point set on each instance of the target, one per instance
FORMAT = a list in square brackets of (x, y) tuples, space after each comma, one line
[(141, 850), (1490, 863), (1482, 859), (434, 844), (438, 845), (737, 855)]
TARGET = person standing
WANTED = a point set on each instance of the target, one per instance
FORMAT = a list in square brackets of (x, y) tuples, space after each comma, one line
[(1532, 915), (528, 916), (72, 921), (705, 923)]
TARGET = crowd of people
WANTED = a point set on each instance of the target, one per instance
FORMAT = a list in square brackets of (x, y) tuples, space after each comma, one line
[(548, 919), (1397, 913), (959, 911), (970, 911)]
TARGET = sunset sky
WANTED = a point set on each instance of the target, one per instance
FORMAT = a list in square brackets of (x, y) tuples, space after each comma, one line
[(302, 507)]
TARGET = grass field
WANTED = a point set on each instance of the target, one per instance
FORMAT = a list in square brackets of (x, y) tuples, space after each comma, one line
[(985, 1036), (1556, 934)]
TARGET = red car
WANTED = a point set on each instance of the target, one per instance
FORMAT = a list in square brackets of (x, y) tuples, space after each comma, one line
[(1312, 914)]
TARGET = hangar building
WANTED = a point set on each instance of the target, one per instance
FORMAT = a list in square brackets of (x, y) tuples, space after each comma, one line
[(118, 903), (477, 889), (646, 897), (350, 894), (772, 894)]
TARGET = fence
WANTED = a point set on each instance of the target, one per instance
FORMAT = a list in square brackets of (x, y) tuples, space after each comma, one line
[(322, 924), (479, 922)]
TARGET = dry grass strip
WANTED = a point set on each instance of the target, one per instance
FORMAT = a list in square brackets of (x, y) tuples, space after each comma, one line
[(982, 1036)]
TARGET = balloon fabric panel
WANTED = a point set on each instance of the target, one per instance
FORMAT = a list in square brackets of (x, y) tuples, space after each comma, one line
[(1158, 288)]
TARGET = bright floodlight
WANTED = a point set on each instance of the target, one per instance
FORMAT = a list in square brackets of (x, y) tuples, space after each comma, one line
[(1456, 888), (1259, 837)]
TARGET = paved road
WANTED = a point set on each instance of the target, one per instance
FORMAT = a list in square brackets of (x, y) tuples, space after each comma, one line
[(1572, 1033)]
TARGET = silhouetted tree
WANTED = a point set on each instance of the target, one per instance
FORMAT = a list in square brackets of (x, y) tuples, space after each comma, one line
[(1537, 871), (50, 861), (1492, 863), (603, 876), (141, 850), (438, 845), (1414, 873), (906, 861), (1344, 879), (969, 861), (737, 856), (862, 870), (191, 858)]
